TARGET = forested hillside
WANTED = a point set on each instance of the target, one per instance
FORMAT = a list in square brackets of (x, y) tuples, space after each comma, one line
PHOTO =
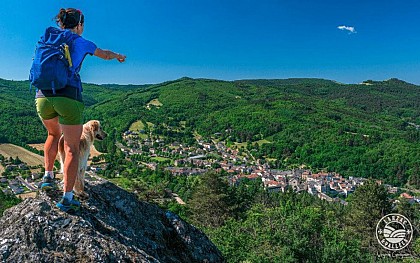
[(361, 130), (19, 123), (369, 130), (365, 130)]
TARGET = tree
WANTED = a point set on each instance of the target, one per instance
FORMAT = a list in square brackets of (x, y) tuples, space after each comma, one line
[(367, 205), (297, 228), (210, 204), (414, 178), (7, 201)]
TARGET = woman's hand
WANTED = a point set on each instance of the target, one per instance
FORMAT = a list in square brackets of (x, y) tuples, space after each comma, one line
[(121, 58)]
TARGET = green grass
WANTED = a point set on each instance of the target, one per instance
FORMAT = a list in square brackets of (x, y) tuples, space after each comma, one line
[(243, 144), (260, 142), (197, 136), (136, 126), (122, 182), (160, 159), (139, 125), (150, 125), (155, 102)]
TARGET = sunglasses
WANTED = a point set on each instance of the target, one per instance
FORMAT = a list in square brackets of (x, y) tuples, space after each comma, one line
[(80, 16)]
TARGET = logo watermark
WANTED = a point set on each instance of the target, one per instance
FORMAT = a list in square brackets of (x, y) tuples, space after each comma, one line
[(394, 232)]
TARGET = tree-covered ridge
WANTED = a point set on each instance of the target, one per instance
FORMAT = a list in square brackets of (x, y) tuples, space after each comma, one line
[(251, 225), (361, 130), (365, 130), (19, 122)]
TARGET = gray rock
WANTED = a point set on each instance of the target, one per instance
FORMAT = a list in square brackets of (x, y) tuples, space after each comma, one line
[(112, 226)]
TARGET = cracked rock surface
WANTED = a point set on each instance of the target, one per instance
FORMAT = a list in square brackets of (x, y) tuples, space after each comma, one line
[(112, 226)]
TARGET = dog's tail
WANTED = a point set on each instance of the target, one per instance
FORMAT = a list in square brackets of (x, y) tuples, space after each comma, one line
[(61, 153), (61, 165)]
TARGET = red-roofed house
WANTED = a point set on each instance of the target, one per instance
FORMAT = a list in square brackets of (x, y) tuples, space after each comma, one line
[(253, 176), (406, 196)]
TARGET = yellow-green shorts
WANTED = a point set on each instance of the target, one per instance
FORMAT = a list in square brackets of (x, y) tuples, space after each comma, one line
[(69, 111)]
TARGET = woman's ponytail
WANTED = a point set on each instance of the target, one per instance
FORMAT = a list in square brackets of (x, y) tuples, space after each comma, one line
[(69, 18), (61, 17)]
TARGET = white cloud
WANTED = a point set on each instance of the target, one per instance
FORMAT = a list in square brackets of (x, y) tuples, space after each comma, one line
[(351, 29)]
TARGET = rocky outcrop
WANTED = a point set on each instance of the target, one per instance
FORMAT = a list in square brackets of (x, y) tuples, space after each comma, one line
[(112, 226)]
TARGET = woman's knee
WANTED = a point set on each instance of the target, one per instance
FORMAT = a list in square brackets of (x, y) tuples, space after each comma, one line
[(72, 135), (53, 127), (71, 147), (55, 135)]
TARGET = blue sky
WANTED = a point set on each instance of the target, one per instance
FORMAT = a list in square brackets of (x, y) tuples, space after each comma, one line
[(228, 40)]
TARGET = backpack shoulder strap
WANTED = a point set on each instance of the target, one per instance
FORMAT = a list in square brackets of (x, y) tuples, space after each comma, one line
[(69, 36), (56, 36)]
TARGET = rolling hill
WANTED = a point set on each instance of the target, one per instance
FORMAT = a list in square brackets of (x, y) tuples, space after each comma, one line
[(358, 130)]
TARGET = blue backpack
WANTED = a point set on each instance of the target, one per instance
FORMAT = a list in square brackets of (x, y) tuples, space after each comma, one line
[(51, 68)]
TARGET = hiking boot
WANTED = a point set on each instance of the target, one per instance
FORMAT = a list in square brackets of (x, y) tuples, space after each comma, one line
[(68, 206), (47, 184)]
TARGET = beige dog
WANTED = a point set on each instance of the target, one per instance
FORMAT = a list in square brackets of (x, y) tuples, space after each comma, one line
[(92, 131)]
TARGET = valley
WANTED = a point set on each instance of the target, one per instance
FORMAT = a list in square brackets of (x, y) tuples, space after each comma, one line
[(307, 166)]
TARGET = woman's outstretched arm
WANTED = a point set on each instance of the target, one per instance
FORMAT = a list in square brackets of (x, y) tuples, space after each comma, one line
[(108, 55)]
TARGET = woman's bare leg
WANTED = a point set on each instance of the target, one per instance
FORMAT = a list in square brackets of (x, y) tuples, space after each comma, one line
[(72, 135), (51, 144)]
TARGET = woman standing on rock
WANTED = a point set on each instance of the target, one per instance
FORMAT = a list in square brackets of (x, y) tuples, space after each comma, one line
[(61, 107)]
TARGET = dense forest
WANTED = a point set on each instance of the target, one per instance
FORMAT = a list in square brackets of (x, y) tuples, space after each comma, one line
[(7, 201), (249, 224), (368, 130)]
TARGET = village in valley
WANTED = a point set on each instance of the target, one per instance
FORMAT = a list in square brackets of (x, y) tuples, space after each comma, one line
[(186, 160), (239, 164), (17, 177)]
